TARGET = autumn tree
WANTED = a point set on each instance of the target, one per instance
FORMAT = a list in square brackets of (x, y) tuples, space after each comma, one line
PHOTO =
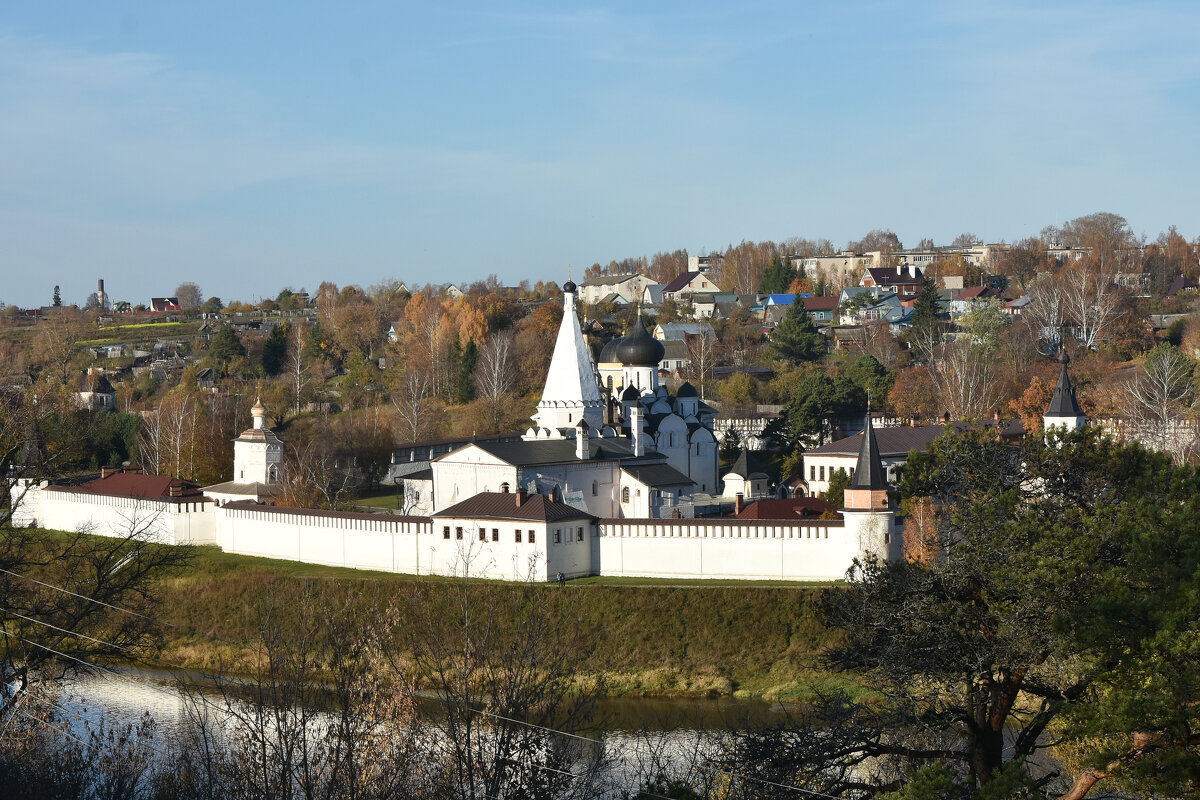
[(189, 295), (665, 266), (1025, 260), (912, 395)]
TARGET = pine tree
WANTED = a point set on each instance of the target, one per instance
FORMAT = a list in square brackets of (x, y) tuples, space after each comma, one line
[(225, 345), (464, 379), (924, 330), (274, 350), (795, 339), (57, 301), (776, 279)]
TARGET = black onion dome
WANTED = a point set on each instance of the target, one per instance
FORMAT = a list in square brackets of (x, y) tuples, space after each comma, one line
[(608, 353), (640, 349), (631, 393), (570, 286), (687, 390)]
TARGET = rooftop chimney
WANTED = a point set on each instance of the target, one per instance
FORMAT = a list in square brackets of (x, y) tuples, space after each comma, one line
[(521, 495), (106, 471), (636, 435), (581, 440), (738, 501), (504, 488)]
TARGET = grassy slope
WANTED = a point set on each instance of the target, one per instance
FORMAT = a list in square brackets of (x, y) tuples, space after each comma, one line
[(648, 638)]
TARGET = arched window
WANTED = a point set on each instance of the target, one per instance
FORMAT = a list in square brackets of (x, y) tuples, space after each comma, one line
[(625, 495)]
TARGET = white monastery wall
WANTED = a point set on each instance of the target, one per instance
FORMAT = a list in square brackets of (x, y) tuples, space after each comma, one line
[(184, 522), (745, 549)]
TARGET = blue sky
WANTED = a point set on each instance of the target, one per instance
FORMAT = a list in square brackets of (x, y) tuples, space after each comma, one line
[(251, 146)]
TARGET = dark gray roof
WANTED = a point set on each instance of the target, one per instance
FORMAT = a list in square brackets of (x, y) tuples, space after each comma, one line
[(556, 451), (754, 462), (608, 280), (640, 349), (1063, 403), (899, 442), (869, 472), (608, 353), (658, 475), (503, 505)]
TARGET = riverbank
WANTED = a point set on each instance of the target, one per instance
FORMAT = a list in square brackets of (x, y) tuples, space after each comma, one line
[(636, 638)]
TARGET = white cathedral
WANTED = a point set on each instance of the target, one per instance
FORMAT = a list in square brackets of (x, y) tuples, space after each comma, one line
[(624, 450)]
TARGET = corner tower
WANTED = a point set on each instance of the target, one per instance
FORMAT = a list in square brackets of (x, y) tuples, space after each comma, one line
[(1064, 412), (868, 489), (571, 393), (870, 525)]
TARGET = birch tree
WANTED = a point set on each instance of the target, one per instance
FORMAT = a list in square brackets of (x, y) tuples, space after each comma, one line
[(494, 372), (1159, 400)]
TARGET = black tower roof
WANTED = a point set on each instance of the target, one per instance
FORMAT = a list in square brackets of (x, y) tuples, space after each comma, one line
[(1063, 403), (868, 473)]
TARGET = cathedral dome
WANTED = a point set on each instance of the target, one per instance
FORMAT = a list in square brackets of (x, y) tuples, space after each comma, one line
[(640, 349), (608, 353)]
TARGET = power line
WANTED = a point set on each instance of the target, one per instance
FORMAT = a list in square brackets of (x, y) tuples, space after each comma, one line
[(226, 641)]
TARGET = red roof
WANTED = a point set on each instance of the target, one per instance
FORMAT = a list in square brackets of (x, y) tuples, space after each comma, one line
[(681, 280), (828, 303), (793, 508), (145, 487), (973, 292), (503, 505)]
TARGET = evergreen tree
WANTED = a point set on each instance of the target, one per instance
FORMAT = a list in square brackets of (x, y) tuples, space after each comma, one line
[(225, 345), (836, 493), (464, 379), (274, 350), (924, 331), (777, 278), (57, 301), (795, 339), (731, 446)]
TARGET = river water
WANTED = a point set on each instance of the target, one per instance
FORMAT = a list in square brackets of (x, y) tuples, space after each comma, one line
[(636, 736)]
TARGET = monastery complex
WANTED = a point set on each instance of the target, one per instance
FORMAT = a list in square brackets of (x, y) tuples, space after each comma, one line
[(601, 483)]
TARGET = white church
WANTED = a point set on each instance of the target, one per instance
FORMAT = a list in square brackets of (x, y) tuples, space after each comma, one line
[(602, 483)]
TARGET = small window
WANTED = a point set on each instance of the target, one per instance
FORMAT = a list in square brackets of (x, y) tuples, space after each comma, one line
[(557, 536), (495, 534), (446, 532), (579, 535), (518, 537), (625, 494), (483, 534), (595, 488), (458, 533), (531, 537), (812, 472), (822, 473)]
